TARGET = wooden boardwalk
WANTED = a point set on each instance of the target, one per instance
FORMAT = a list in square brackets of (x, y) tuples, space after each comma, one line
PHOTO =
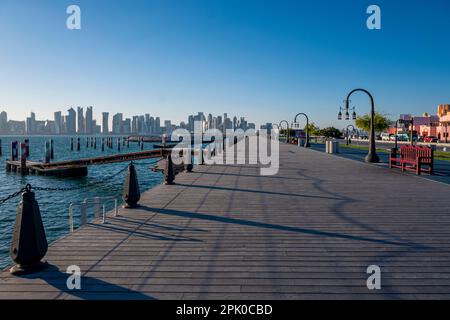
[(226, 232)]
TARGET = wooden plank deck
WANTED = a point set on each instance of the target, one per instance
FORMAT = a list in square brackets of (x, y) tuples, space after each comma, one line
[(225, 232)]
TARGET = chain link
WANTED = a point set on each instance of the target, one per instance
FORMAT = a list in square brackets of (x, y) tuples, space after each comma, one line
[(89, 185), (11, 196)]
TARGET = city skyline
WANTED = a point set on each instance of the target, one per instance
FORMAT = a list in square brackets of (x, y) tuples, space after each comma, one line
[(267, 60), (78, 121)]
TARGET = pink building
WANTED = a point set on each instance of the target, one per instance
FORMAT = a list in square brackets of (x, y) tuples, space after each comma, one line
[(429, 125)]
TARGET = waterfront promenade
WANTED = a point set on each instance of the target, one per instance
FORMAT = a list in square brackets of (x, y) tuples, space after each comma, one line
[(225, 232)]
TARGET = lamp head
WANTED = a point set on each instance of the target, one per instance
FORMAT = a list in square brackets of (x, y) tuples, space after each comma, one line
[(340, 115)]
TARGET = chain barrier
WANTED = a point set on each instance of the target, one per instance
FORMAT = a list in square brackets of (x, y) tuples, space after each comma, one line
[(12, 196), (89, 185)]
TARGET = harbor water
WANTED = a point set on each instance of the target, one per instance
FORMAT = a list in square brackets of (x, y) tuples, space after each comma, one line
[(54, 205)]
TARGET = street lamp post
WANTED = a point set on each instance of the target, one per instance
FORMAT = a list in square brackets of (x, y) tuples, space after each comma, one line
[(307, 144), (411, 123), (372, 156), (396, 133), (287, 128), (348, 136)]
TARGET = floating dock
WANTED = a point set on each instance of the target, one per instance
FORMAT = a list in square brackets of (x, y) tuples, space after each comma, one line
[(77, 168)]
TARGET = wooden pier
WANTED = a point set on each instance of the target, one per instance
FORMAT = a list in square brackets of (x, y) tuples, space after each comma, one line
[(226, 232), (75, 168)]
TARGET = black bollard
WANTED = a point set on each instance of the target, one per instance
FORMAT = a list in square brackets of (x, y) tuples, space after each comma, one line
[(128, 142), (87, 143), (95, 143), (71, 144), (29, 242), (169, 175), (47, 152), (103, 144), (52, 154), (142, 143), (118, 144), (14, 150), (23, 159), (27, 144), (78, 144), (131, 194), (189, 167)]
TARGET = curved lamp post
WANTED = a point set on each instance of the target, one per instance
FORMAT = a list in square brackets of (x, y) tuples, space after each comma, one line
[(372, 155), (287, 126), (353, 130), (307, 145), (396, 133)]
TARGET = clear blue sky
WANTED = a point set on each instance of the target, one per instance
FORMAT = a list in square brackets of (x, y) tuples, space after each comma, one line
[(266, 60)]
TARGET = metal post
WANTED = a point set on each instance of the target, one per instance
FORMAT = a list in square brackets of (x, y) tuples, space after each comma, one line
[(52, 154), (71, 144), (372, 154), (27, 145), (446, 132), (83, 209), (71, 217), (118, 144), (103, 214), (307, 144), (78, 144), (287, 128), (47, 152), (14, 150), (23, 159), (116, 209)]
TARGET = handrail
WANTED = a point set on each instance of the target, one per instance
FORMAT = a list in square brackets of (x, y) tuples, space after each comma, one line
[(98, 202)]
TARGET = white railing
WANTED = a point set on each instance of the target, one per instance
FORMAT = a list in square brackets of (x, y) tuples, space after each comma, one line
[(99, 206)]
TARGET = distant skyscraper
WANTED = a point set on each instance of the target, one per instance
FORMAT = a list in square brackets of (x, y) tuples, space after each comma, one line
[(141, 125), (105, 122), (168, 127), (157, 125), (152, 125), (210, 121), (71, 121), (4, 123), (134, 125), (147, 123), (58, 122), (80, 120), (89, 125), (117, 123), (191, 123), (126, 126), (31, 124)]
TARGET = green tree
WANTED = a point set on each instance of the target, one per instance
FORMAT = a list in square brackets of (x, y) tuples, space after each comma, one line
[(313, 129), (330, 132), (382, 122)]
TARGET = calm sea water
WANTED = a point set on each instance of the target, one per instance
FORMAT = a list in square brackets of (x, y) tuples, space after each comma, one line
[(54, 206)]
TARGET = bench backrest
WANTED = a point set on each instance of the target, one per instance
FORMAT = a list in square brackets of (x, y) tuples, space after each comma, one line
[(414, 152)]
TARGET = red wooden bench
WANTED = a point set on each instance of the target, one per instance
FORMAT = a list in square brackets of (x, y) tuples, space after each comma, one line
[(413, 158)]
